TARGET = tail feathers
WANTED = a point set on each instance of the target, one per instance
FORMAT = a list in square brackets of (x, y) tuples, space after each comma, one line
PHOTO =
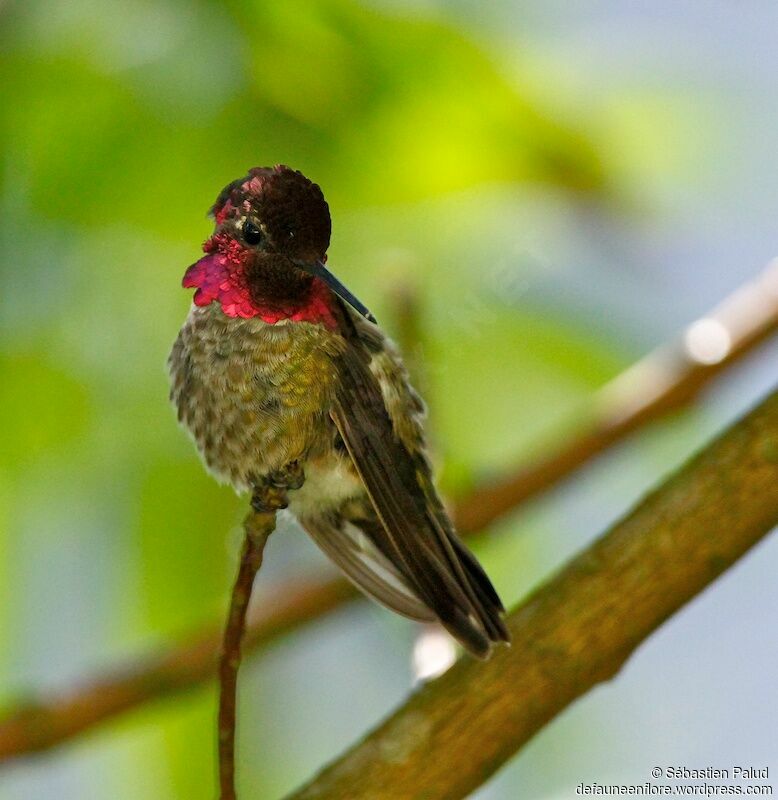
[(362, 549), (483, 603), (484, 623)]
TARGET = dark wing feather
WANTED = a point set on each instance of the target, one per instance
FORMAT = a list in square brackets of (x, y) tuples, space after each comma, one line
[(419, 539), (345, 542)]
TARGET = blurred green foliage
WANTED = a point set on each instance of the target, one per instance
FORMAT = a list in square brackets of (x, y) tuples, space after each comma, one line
[(120, 123)]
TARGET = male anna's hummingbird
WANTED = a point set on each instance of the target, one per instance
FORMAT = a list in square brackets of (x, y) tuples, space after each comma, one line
[(284, 380)]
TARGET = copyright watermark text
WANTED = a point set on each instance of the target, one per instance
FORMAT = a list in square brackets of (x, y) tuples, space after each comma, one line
[(676, 781)]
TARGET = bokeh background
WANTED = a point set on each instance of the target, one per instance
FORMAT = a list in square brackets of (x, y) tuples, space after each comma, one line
[(562, 186)]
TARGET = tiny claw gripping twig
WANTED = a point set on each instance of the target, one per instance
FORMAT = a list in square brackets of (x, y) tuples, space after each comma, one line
[(257, 526)]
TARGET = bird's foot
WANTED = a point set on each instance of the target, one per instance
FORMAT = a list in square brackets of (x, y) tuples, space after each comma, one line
[(268, 498), (270, 494)]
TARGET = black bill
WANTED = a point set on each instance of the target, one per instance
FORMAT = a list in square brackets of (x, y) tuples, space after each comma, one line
[(318, 269)]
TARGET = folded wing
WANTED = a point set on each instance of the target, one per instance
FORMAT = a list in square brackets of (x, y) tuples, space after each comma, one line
[(415, 535)]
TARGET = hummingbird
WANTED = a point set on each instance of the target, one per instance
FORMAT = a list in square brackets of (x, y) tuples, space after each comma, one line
[(287, 384)]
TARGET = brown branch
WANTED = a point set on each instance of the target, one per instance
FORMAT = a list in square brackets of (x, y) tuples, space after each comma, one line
[(659, 383), (575, 631), (257, 529), (666, 380), (36, 726)]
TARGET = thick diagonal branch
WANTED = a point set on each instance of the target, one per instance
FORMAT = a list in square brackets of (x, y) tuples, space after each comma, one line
[(575, 631)]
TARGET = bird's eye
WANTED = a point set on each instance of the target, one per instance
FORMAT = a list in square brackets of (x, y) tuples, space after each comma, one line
[(251, 233)]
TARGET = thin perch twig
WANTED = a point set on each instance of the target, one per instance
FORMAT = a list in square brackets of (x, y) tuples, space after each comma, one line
[(257, 530), (575, 631), (37, 726), (747, 317)]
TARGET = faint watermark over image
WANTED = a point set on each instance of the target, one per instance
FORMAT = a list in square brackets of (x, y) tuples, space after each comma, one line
[(678, 781)]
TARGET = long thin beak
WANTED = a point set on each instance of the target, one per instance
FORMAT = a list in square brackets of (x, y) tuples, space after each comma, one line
[(318, 269)]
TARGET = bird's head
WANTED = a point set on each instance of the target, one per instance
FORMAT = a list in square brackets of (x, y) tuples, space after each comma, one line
[(266, 256)]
